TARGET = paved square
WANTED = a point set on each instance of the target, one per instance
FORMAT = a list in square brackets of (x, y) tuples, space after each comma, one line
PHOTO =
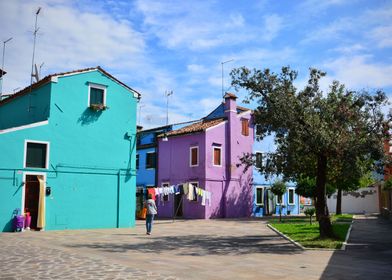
[(184, 249)]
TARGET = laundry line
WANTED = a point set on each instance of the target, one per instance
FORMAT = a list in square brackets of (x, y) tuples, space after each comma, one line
[(192, 193)]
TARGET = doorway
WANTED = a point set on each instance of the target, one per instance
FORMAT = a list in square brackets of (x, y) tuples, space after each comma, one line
[(178, 205), (31, 199)]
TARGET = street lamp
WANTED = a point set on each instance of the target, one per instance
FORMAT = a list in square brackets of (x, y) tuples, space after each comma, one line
[(2, 66), (167, 94)]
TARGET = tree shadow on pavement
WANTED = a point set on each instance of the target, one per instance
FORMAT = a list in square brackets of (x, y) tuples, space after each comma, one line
[(200, 245), (368, 254)]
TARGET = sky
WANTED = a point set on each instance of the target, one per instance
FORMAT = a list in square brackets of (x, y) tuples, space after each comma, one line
[(155, 46)]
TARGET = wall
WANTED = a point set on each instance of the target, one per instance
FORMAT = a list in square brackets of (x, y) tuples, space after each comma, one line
[(26, 109), (92, 162), (364, 200), (173, 165)]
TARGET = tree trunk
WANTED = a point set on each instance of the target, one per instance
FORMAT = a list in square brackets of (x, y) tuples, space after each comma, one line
[(325, 226), (339, 202)]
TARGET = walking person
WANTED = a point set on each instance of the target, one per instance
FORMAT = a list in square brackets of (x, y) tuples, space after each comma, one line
[(151, 212)]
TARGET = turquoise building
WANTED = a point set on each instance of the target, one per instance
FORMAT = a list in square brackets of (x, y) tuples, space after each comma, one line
[(68, 152)]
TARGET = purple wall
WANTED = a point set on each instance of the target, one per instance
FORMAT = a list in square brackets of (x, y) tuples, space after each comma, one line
[(231, 188)]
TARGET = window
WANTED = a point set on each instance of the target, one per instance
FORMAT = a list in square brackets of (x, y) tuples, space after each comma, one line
[(194, 156), (259, 196), (165, 196), (97, 95), (137, 161), (245, 127), (291, 196), (36, 154), (217, 156), (279, 199), (195, 185), (259, 160), (150, 160)]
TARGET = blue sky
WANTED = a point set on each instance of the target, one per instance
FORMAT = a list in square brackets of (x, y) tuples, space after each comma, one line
[(154, 46)]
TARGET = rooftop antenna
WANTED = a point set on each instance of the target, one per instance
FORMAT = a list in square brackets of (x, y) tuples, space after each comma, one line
[(2, 67), (35, 37), (222, 63)]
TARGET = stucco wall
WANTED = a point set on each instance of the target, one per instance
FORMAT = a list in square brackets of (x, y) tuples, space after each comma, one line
[(91, 160)]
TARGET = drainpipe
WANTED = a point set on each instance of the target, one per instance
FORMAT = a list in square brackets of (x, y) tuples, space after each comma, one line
[(118, 198)]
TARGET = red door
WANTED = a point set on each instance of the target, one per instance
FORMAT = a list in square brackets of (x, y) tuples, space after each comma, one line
[(31, 198)]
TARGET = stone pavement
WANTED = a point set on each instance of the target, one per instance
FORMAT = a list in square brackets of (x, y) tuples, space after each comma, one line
[(191, 249)]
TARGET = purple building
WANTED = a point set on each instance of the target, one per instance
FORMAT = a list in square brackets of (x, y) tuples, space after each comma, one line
[(207, 155)]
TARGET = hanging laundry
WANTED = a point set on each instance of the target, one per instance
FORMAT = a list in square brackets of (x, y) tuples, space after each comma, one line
[(152, 192), (191, 192), (185, 188), (203, 200)]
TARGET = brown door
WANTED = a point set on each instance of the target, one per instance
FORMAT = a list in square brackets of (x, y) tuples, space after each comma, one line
[(32, 198)]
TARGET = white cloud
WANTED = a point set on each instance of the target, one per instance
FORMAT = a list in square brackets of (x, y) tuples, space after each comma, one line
[(358, 72), (382, 36), (272, 25), (68, 39)]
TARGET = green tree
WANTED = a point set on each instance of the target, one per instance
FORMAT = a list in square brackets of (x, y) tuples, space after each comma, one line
[(278, 188), (312, 128)]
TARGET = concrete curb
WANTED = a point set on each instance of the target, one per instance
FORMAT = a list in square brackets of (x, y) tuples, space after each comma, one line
[(286, 237), (343, 248)]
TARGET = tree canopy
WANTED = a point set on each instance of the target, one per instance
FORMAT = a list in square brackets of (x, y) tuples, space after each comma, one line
[(314, 131)]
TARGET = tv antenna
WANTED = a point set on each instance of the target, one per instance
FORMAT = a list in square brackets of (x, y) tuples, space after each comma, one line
[(222, 63), (35, 38), (167, 94)]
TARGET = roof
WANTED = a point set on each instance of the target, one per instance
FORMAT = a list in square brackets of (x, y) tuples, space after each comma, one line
[(195, 127), (49, 78)]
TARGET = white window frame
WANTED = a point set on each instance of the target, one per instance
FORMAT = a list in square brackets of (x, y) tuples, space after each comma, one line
[(195, 184), (145, 165), (47, 153), (167, 185), (190, 156), (288, 196), (98, 86), (262, 197), (213, 156)]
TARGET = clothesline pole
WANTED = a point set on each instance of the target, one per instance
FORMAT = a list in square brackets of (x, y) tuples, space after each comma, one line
[(178, 208)]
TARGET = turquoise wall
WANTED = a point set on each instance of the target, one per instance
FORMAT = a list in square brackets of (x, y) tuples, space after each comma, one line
[(92, 161), (26, 109)]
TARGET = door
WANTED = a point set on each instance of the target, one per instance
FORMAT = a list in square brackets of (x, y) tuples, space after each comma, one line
[(32, 198), (178, 205)]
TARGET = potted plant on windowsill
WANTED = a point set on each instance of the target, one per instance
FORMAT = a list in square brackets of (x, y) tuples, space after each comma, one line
[(98, 107)]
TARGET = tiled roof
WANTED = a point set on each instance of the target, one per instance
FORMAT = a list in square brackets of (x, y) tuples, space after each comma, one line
[(48, 78), (195, 127)]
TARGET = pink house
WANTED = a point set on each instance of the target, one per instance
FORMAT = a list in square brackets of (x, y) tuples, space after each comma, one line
[(207, 155)]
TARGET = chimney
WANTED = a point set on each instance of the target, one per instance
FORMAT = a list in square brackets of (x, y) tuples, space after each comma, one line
[(230, 105)]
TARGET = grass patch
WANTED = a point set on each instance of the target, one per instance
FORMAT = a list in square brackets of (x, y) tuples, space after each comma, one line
[(308, 235)]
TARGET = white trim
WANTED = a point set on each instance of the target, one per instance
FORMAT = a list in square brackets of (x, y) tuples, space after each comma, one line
[(288, 196), (31, 125), (262, 198), (234, 111), (244, 113), (190, 156), (215, 126), (76, 73), (97, 86), (47, 153), (43, 174), (213, 155)]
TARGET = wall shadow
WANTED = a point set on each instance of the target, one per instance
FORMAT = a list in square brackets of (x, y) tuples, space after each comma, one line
[(89, 116), (201, 245)]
